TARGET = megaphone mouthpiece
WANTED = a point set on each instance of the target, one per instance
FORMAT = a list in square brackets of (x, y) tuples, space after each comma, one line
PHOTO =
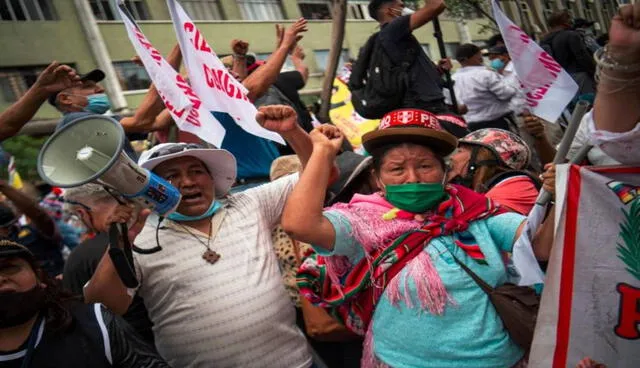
[(92, 158)]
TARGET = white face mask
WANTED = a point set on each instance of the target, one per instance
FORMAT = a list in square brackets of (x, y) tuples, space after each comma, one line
[(402, 12), (407, 11)]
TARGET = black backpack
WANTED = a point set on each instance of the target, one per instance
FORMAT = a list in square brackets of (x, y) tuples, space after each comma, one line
[(377, 84), (547, 45)]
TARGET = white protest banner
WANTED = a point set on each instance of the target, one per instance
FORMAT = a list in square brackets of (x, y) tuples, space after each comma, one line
[(548, 88), (219, 90), (591, 300), (524, 260), (185, 106)]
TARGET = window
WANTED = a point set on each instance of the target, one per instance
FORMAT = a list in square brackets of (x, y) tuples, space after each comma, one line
[(288, 64), (22, 10), (131, 76), (261, 9), (322, 57), (106, 9), (358, 10), (548, 8), (315, 9), (572, 8), (14, 82), (589, 11), (450, 48), (203, 9)]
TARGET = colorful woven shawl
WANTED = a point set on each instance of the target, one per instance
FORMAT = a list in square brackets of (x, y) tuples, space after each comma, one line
[(351, 292)]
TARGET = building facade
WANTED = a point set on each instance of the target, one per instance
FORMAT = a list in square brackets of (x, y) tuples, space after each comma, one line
[(532, 15), (88, 34), (35, 32)]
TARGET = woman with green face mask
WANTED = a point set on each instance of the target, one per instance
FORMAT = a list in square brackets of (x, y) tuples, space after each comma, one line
[(384, 263)]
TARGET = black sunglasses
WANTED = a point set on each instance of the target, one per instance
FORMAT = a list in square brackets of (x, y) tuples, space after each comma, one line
[(175, 149)]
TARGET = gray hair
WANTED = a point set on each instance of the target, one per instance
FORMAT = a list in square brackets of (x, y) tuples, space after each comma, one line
[(86, 194)]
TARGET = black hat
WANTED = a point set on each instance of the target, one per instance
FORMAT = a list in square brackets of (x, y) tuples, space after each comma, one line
[(95, 75), (7, 216), (13, 249), (466, 51), (350, 165), (498, 50), (374, 6), (582, 23)]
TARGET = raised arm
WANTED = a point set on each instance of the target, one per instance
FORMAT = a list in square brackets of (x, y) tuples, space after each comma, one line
[(53, 79), (298, 62), (424, 15), (302, 217), (542, 241), (283, 120), (240, 49), (617, 104), (40, 219), (105, 285), (262, 78), (152, 105), (535, 126)]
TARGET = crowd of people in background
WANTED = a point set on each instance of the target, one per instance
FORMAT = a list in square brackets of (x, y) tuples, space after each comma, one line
[(309, 254)]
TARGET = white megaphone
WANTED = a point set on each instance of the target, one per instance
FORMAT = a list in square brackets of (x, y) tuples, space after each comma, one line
[(89, 149)]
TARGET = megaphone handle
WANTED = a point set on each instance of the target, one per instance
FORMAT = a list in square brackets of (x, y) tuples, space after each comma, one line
[(124, 230), (119, 257)]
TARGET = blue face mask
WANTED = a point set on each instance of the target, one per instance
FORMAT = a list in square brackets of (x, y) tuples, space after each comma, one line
[(215, 206), (497, 64), (98, 103)]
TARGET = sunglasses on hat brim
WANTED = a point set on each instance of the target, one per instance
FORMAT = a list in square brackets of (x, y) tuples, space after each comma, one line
[(175, 149)]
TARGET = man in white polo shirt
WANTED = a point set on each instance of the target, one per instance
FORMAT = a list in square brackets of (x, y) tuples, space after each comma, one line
[(208, 274)]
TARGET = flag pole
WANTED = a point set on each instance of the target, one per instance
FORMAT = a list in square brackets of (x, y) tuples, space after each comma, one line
[(578, 113), (437, 33)]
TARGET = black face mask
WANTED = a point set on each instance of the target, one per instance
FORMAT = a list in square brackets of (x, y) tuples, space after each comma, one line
[(17, 308)]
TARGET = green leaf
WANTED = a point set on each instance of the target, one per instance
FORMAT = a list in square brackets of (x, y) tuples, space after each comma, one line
[(629, 252)]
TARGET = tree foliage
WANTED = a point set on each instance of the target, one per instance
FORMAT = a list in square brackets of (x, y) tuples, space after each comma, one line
[(25, 149), (465, 9)]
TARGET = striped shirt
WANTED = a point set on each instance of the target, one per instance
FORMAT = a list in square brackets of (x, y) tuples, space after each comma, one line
[(234, 313)]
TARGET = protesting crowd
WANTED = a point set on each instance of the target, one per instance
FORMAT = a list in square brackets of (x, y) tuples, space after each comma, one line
[(429, 246)]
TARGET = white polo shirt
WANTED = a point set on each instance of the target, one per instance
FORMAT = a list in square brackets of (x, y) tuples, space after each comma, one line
[(486, 93), (234, 313)]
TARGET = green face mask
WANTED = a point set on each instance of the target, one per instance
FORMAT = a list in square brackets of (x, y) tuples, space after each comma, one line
[(415, 197)]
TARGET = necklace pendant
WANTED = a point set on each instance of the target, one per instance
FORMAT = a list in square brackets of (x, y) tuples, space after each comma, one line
[(211, 256)]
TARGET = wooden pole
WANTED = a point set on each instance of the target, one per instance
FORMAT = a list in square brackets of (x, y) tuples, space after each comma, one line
[(339, 13)]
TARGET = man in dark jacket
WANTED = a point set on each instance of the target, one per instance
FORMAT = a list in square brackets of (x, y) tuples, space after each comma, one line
[(568, 48), (397, 24)]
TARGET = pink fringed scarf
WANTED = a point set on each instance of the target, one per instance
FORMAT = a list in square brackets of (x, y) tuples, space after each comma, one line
[(351, 292)]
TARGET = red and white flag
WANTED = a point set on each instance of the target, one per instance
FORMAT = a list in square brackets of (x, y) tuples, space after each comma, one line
[(591, 300), (548, 88), (183, 103), (219, 90)]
